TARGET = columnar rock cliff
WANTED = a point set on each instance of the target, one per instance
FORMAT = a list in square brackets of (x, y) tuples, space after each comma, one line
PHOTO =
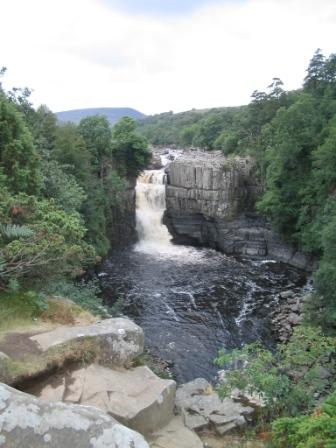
[(210, 202), (122, 230)]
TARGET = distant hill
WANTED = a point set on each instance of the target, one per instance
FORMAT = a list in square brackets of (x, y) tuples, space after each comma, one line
[(113, 114)]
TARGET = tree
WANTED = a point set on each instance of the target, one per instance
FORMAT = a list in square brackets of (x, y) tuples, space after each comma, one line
[(315, 72), (71, 152), (96, 133), (130, 149), (19, 160), (292, 136), (44, 128), (62, 186)]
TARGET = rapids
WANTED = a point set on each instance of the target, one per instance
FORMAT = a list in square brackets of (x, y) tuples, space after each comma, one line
[(191, 301)]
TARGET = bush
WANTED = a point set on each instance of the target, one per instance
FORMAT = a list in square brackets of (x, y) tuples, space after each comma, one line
[(52, 241), (286, 380), (84, 294), (21, 305), (310, 431)]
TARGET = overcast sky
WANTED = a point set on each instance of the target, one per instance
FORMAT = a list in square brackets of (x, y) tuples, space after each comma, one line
[(159, 55)]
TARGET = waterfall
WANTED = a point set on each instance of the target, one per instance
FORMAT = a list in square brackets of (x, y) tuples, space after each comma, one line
[(154, 237), (151, 204)]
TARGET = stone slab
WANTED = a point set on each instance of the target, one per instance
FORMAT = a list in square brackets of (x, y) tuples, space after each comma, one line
[(137, 397), (120, 340)]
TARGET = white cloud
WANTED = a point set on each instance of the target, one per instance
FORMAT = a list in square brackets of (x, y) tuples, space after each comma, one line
[(82, 53)]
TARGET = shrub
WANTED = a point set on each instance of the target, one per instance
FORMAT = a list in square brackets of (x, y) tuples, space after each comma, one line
[(84, 294), (287, 379), (317, 430)]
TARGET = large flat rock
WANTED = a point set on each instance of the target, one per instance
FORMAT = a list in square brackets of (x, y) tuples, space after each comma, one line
[(175, 435), (26, 422), (136, 397), (120, 340)]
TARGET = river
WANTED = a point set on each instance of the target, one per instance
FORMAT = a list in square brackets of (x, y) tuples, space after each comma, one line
[(191, 301)]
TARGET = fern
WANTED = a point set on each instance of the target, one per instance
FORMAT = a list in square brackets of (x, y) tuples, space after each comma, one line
[(14, 231)]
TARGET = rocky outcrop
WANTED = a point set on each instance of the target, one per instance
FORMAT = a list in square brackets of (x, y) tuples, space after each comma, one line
[(87, 406), (31, 423), (203, 410), (288, 314), (119, 340), (137, 397), (210, 202)]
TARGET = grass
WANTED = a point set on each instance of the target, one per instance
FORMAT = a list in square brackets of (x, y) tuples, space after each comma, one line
[(64, 312), (29, 312)]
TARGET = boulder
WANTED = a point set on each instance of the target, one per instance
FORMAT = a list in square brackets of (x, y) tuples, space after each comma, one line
[(175, 435), (136, 397), (120, 340), (31, 423), (202, 409)]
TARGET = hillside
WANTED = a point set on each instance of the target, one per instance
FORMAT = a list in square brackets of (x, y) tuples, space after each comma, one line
[(196, 127), (113, 114)]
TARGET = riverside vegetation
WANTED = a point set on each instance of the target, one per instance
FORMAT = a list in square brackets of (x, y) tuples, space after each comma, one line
[(60, 184)]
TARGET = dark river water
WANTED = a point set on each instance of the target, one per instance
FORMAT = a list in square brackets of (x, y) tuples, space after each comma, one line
[(194, 302), (190, 301)]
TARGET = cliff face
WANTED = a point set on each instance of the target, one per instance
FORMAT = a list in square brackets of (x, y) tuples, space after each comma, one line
[(210, 202), (122, 230)]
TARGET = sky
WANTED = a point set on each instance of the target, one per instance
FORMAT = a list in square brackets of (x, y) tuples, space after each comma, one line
[(156, 55)]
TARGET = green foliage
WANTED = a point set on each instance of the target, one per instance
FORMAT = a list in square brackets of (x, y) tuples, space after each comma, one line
[(308, 431), (84, 294), (286, 380), (129, 148), (96, 134), (199, 128), (292, 137), (322, 307), (105, 177), (14, 231), (19, 160), (23, 304), (43, 125), (70, 150), (55, 245), (62, 186)]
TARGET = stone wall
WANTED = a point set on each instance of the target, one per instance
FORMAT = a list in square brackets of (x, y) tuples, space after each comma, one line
[(211, 202)]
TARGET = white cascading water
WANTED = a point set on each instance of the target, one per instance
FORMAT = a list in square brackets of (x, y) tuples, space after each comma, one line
[(154, 237), (151, 204)]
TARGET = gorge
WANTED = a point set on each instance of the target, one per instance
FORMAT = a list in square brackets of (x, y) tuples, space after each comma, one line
[(192, 301)]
